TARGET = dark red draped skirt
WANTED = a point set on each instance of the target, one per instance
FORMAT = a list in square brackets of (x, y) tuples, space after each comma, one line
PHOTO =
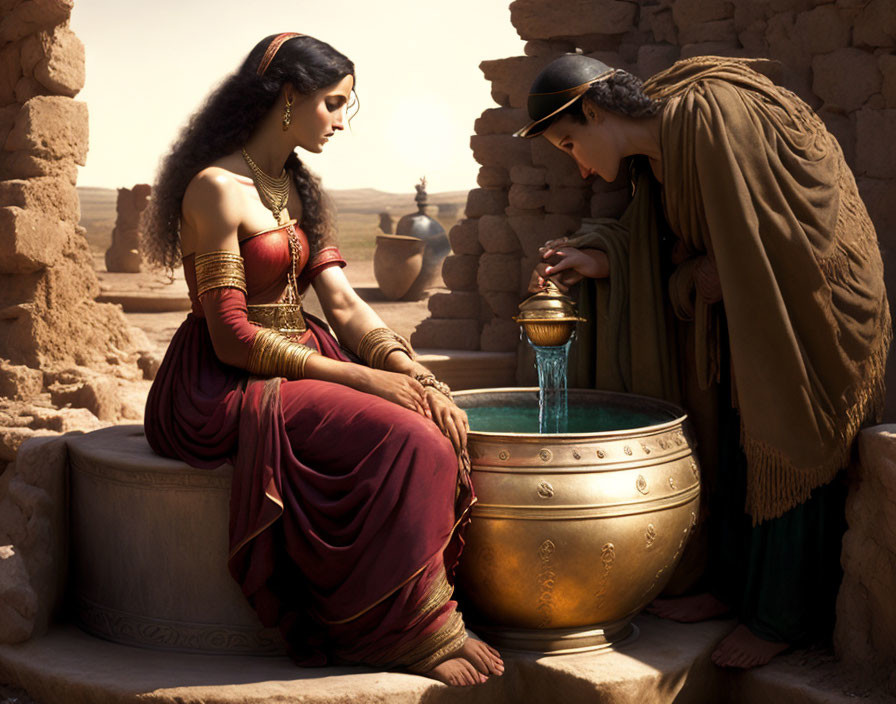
[(345, 521)]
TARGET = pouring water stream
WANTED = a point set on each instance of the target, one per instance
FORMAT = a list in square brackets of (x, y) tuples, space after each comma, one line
[(548, 321), (551, 363)]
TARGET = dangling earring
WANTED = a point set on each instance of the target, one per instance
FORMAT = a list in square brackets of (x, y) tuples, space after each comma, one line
[(287, 114)]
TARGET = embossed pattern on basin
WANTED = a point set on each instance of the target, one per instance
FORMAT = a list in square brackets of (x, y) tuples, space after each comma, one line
[(575, 533)]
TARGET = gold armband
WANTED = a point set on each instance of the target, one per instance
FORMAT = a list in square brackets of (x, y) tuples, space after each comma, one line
[(433, 383), (219, 269), (377, 344), (272, 354)]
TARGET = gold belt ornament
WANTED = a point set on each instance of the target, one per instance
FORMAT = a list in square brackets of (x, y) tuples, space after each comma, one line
[(286, 318)]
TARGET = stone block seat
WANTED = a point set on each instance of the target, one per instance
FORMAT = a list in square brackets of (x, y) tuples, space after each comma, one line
[(149, 550)]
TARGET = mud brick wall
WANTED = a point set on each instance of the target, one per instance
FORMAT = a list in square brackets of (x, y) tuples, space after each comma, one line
[(47, 281), (865, 635), (837, 55), (59, 349)]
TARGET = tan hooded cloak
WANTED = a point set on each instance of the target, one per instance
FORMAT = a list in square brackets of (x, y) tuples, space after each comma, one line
[(754, 182)]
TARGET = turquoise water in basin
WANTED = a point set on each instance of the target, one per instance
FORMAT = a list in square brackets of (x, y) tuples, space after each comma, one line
[(580, 419)]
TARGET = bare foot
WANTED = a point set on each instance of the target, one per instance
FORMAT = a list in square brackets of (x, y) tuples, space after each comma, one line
[(741, 648), (457, 672), (484, 657), (472, 664), (688, 609)]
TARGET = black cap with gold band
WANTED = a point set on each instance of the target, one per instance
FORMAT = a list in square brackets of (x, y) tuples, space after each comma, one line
[(561, 83)]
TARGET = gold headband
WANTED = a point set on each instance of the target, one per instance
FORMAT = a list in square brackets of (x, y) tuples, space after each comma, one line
[(272, 50)]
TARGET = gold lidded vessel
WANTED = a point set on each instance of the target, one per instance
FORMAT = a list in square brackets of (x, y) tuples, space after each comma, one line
[(548, 317)]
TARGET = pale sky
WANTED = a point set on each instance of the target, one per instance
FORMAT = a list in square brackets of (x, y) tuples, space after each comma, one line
[(150, 63)]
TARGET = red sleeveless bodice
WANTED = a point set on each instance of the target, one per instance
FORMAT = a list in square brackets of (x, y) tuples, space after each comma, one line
[(266, 259)]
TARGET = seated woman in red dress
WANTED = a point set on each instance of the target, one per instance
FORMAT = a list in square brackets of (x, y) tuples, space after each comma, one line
[(348, 499)]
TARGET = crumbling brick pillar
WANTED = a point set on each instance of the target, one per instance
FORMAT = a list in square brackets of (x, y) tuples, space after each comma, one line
[(123, 254), (528, 193), (47, 281), (58, 347)]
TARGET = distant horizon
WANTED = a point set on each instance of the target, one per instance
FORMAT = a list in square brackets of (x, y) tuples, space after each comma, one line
[(412, 193), (419, 82)]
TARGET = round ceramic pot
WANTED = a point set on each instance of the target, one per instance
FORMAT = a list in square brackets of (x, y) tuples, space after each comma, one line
[(397, 262)]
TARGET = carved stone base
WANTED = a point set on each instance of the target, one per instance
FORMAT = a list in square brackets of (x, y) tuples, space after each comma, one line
[(559, 641), (149, 548)]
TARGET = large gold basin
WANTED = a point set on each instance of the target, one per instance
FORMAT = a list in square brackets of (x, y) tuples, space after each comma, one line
[(573, 534)]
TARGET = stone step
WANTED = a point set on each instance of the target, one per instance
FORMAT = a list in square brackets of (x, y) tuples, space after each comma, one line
[(139, 302), (668, 662), (462, 369)]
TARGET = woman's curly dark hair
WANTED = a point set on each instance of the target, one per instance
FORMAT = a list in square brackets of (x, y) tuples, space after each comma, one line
[(621, 92), (223, 125)]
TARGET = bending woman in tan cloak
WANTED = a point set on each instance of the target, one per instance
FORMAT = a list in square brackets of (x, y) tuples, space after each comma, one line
[(745, 281)]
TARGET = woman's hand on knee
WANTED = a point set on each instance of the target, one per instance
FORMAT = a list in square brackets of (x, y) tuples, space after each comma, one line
[(398, 388), (452, 421)]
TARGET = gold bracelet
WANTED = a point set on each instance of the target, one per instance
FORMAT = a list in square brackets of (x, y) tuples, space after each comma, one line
[(272, 354), (219, 269), (374, 344), (379, 343), (433, 383)]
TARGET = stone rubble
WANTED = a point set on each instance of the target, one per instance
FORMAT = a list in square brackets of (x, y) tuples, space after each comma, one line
[(33, 539), (865, 633)]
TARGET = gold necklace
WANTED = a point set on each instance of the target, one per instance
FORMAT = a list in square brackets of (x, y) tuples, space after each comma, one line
[(274, 192)]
